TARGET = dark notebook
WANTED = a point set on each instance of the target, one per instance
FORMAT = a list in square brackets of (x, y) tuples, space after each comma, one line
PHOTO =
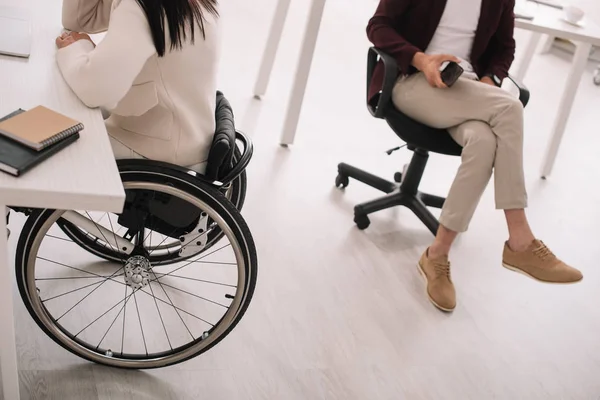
[(17, 159)]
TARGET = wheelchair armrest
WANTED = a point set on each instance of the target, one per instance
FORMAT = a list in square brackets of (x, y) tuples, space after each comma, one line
[(241, 164), (524, 93), (391, 72)]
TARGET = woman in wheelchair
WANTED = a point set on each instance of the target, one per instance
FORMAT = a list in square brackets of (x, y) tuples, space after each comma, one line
[(172, 275), (154, 71)]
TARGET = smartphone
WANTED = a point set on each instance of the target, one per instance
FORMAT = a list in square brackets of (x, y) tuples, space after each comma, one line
[(451, 72)]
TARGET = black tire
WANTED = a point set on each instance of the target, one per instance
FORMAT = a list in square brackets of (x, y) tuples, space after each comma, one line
[(220, 207)]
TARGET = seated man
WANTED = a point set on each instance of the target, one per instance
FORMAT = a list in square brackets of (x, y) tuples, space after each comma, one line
[(486, 120)]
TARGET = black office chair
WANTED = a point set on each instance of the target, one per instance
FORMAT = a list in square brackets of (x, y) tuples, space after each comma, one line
[(419, 138)]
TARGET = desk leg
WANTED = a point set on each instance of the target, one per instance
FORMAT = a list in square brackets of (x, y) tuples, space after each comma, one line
[(566, 104), (532, 46), (303, 71), (268, 60), (548, 43), (8, 351)]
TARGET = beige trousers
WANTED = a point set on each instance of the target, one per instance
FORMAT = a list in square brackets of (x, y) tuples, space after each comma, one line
[(123, 152), (488, 123)]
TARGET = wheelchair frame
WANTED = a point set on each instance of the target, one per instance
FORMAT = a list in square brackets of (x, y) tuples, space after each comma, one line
[(126, 246), (191, 246)]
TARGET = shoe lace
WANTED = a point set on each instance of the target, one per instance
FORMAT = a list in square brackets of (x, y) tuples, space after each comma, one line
[(543, 252), (442, 269)]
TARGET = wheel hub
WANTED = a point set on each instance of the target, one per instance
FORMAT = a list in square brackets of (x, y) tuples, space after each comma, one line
[(137, 272)]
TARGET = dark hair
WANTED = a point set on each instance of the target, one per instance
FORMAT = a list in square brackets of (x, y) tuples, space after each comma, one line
[(181, 16)]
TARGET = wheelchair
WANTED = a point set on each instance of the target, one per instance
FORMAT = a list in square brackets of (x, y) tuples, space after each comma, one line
[(158, 284)]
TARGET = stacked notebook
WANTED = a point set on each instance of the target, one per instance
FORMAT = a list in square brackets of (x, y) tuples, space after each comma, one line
[(29, 137)]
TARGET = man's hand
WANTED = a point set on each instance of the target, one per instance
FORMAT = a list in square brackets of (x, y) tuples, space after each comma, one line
[(68, 38), (487, 80), (430, 66)]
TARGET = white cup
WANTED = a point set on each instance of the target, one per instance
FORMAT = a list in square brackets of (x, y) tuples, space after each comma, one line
[(573, 14)]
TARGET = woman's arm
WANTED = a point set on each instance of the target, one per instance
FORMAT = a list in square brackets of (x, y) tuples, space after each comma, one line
[(382, 33), (90, 16), (503, 43), (102, 76)]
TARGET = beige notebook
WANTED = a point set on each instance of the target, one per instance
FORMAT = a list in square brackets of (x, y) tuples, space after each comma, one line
[(39, 127)]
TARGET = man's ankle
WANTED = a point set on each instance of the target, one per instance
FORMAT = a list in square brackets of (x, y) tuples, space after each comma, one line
[(519, 245), (434, 252)]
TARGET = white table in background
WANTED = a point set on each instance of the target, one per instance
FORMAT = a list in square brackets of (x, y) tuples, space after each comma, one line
[(307, 52), (84, 176), (547, 21)]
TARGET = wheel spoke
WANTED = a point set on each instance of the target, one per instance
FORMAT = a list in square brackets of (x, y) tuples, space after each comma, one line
[(71, 277), (213, 262), (177, 309), (87, 295), (101, 218), (72, 291), (195, 295), (124, 316), (103, 314), (172, 305), (113, 230), (164, 240), (140, 319), (117, 317), (99, 230), (59, 238), (161, 318), (84, 271), (197, 280), (193, 261)]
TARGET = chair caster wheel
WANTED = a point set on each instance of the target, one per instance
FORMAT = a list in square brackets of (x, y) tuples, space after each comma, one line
[(362, 222), (398, 175), (342, 181)]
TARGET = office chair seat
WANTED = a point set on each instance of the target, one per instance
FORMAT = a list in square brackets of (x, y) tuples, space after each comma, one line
[(421, 136)]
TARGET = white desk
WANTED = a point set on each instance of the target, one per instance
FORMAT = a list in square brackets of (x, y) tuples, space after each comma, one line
[(84, 176), (307, 52), (547, 21)]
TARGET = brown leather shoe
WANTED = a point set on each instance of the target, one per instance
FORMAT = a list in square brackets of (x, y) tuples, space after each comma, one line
[(440, 288), (539, 263)]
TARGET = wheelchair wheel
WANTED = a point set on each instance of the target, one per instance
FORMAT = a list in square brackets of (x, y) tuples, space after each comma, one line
[(161, 249), (133, 312)]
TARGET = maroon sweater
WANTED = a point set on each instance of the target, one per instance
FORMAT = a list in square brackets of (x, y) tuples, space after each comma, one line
[(402, 28)]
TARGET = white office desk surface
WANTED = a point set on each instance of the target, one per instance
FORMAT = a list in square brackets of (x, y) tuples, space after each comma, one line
[(82, 176), (547, 21)]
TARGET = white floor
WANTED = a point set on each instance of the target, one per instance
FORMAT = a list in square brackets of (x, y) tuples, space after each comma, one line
[(341, 314)]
